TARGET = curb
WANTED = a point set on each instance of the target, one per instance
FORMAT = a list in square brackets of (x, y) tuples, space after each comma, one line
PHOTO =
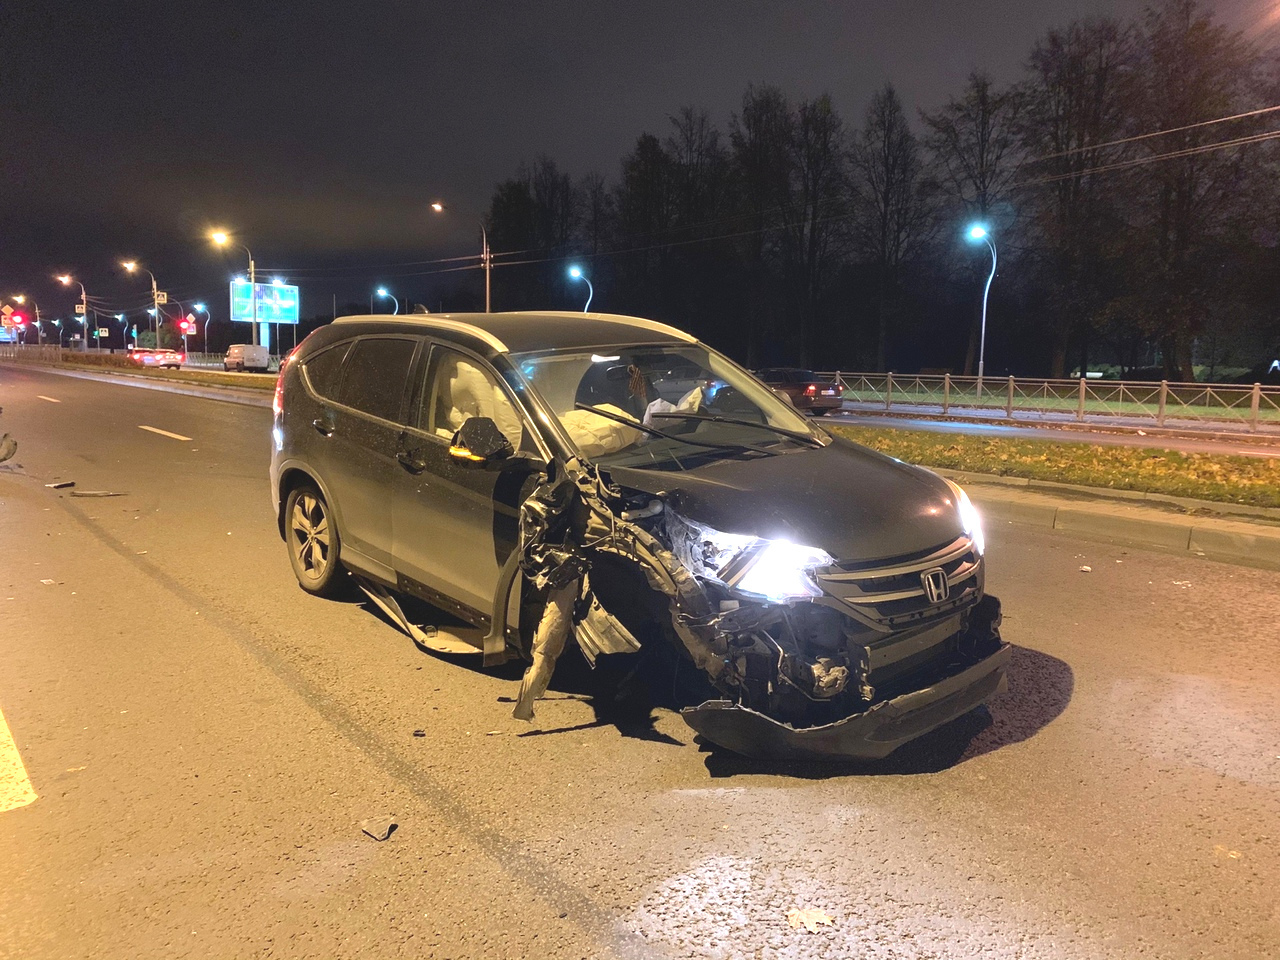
[(1251, 542), (247, 396)]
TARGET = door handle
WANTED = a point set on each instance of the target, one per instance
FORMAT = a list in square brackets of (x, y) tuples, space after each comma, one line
[(411, 461), (323, 427)]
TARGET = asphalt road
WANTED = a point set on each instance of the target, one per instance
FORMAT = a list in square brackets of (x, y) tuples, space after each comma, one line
[(204, 740)]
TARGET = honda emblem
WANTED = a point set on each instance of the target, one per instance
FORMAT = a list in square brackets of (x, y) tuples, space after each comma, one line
[(935, 585)]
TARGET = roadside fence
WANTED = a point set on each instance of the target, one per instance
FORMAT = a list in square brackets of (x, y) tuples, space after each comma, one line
[(1253, 407)]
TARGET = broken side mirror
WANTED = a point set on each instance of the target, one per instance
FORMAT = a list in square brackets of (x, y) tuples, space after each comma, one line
[(479, 440)]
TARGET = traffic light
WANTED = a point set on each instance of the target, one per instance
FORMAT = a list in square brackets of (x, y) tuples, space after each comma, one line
[(19, 320)]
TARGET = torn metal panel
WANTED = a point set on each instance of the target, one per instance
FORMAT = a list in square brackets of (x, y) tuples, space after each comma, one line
[(869, 735), (599, 632), (430, 637), (548, 644)]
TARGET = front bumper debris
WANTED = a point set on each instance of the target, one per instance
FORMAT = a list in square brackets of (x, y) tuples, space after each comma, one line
[(870, 735)]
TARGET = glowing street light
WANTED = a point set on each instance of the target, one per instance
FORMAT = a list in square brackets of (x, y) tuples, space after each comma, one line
[(382, 292), (208, 319), (21, 298), (575, 272), (979, 232), (67, 280), (132, 267), (222, 238), (486, 260)]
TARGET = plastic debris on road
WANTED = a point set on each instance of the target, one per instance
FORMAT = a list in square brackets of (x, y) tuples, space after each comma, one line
[(1086, 569), (61, 484), (379, 827)]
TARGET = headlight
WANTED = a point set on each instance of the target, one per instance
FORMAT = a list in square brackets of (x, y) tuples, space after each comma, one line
[(773, 569), (970, 520)]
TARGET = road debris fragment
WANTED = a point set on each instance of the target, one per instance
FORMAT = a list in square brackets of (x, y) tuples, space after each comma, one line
[(61, 484), (48, 583), (379, 827), (96, 493), (809, 918), (1086, 569), (419, 733)]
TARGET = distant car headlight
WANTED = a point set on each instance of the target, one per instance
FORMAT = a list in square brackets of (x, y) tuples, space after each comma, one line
[(970, 519), (773, 569)]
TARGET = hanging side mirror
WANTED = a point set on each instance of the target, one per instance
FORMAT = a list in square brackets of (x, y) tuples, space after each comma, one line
[(478, 441)]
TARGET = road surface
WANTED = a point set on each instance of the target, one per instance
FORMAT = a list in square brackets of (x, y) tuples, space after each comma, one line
[(203, 740)]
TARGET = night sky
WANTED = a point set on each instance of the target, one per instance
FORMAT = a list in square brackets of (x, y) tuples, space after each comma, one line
[(319, 132)]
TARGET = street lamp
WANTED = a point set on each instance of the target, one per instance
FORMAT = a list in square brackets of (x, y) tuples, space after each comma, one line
[(208, 319), (21, 298), (124, 331), (382, 292), (131, 266), (222, 238), (67, 280), (576, 273), (486, 261), (976, 232)]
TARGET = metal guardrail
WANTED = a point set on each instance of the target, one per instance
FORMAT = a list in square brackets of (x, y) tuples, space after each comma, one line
[(1251, 406), (31, 352)]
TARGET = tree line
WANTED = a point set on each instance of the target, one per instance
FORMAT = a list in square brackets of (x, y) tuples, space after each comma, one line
[(1126, 231)]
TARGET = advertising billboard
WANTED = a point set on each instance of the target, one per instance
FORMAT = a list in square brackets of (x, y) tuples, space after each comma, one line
[(277, 302)]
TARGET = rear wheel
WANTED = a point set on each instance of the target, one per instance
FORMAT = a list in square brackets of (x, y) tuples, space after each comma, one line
[(312, 536)]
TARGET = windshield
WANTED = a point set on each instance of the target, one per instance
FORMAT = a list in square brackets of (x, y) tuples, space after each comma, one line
[(687, 403)]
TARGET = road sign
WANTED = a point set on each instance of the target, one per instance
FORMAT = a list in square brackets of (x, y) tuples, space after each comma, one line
[(80, 308), (162, 297), (104, 332), (6, 310)]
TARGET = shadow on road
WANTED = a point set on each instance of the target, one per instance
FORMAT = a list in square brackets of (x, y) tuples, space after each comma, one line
[(623, 692), (1040, 687)]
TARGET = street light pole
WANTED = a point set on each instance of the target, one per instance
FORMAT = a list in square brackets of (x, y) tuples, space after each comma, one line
[(576, 273), (486, 259), (980, 232), (383, 292), (131, 266), (221, 238), (66, 280)]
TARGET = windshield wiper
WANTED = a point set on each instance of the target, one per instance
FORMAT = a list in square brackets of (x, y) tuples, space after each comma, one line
[(653, 431), (716, 418)]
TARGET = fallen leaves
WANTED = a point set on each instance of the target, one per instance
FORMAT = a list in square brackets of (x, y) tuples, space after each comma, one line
[(810, 918)]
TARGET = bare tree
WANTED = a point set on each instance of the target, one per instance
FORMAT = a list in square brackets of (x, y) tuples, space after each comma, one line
[(814, 207), (892, 218), (973, 145)]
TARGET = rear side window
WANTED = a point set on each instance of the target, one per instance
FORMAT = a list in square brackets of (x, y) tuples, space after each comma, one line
[(324, 369), (375, 374)]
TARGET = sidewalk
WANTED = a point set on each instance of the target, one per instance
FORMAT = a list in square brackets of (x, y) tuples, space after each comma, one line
[(1249, 536)]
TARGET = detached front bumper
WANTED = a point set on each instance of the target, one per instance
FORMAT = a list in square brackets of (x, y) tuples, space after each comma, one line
[(864, 736)]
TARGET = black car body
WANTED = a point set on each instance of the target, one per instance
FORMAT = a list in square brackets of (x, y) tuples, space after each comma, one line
[(805, 389), (547, 475)]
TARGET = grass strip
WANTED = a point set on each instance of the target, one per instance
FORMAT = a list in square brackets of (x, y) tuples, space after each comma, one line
[(1223, 478)]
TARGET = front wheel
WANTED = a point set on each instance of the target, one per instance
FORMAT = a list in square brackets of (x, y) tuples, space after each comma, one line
[(312, 536)]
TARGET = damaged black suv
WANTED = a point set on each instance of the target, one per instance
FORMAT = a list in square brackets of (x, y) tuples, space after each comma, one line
[(547, 476)]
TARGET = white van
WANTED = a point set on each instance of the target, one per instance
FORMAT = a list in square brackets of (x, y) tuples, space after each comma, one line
[(244, 356)]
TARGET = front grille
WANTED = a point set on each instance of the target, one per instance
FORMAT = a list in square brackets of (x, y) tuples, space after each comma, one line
[(894, 593)]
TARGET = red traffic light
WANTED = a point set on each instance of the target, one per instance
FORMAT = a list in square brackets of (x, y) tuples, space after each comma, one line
[(18, 320)]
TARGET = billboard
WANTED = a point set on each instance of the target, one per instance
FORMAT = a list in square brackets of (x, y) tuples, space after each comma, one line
[(277, 302)]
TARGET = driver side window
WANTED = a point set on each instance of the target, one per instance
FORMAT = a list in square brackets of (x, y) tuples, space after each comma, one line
[(460, 388)]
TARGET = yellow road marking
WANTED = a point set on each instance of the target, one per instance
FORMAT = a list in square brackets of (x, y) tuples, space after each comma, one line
[(50, 399), (15, 788), (164, 433)]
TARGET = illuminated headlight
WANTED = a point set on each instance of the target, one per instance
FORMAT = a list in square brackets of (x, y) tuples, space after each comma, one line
[(970, 520), (773, 569)]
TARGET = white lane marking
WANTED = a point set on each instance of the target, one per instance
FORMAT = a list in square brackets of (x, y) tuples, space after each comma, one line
[(15, 787), (50, 399), (163, 433)]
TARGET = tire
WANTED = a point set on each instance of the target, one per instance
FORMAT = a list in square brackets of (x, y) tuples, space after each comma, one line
[(822, 412), (312, 537)]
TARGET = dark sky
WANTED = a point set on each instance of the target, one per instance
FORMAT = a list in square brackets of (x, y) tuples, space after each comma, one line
[(320, 131)]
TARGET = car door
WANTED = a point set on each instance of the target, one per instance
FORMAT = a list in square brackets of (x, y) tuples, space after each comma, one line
[(362, 429), (456, 523)]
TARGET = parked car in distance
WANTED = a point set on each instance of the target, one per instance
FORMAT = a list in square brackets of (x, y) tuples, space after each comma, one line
[(805, 391), (245, 356), (547, 476), (149, 357)]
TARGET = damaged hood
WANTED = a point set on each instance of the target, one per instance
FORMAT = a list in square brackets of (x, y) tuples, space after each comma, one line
[(846, 499)]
